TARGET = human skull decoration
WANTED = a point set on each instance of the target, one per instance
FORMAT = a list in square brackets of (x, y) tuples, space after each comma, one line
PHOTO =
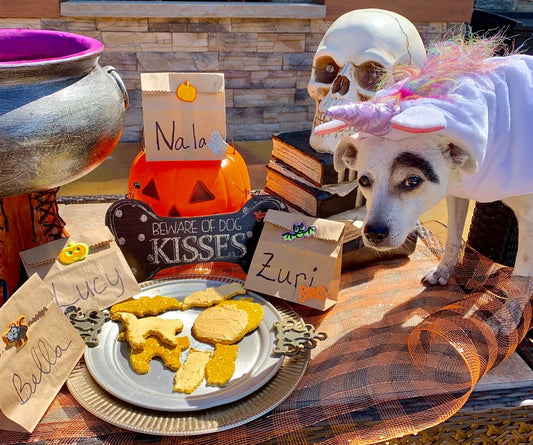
[(355, 52)]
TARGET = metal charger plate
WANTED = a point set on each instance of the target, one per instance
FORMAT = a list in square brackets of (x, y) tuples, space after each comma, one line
[(109, 363), (259, 401)]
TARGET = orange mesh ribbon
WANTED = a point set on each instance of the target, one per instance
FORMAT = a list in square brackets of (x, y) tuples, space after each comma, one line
[(399, 358)]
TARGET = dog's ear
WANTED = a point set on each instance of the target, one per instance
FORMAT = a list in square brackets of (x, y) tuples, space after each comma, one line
[(345, 154), (461, 158)]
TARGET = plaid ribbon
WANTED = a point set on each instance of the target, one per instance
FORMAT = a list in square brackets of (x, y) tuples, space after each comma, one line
[(399, 358)]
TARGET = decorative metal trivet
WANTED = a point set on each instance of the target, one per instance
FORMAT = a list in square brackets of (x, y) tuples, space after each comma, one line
[(88, 324), (293, 337)]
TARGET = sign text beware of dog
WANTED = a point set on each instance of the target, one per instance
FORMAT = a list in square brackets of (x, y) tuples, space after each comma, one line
[(151, 243)]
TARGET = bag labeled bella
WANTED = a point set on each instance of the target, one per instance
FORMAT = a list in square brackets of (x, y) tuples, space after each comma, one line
[(38, 350), (88, 272), (298, 258), (184, 116)]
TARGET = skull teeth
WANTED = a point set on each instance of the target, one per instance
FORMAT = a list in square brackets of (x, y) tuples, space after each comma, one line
[(320, 118)]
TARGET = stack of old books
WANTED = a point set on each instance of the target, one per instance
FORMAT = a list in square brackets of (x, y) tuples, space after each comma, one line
[(305, 179)]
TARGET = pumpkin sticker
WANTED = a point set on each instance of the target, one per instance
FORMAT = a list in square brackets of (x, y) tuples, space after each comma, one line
[(186, 92), (73, 252)]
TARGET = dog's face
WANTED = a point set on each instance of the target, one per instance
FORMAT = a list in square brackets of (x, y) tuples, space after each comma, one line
[(400, 180)]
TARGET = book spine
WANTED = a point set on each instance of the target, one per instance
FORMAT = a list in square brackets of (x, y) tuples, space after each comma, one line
[(326, 204), (317, 169)]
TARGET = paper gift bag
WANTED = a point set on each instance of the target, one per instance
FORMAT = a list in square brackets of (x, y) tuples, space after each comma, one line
[(38, 350), (96, 281), (298, 258), (184, 116)]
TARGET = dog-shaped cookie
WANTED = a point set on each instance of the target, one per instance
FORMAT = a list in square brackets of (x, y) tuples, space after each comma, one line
[(459, 128)]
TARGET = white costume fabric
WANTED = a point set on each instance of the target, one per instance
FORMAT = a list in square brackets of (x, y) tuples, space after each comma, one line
[(491, 116)]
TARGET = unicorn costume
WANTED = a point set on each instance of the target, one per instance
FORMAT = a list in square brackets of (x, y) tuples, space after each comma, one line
[(488, 114)]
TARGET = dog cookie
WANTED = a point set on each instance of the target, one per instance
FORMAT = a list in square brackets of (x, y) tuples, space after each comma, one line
[(220, 324), (145, 306), (138, 329), (212, 295), (192, 372), (221, 366), (153, 347), (254, 310)]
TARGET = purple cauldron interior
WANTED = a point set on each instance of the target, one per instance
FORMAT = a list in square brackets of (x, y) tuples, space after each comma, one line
[(35, 46)]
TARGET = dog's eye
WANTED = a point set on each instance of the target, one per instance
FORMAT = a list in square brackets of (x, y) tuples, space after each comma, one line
[(412, 182), (364, 181)]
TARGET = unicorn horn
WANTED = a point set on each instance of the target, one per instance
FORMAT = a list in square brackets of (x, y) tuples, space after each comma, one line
[(370, 117)]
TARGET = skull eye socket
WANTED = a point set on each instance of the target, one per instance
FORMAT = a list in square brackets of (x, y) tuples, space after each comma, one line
[(326, 70), (369, 74)]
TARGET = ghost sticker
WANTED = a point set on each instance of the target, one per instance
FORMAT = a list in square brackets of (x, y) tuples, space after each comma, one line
[(299, 231), (217, 143), (17, 334)]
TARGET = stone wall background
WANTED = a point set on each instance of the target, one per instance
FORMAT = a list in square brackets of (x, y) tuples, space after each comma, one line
[(266, 62)]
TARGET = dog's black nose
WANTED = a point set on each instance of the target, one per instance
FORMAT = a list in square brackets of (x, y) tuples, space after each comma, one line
[(376, 233)]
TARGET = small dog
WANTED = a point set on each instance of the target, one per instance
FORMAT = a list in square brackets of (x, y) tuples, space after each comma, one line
[(465, 136)]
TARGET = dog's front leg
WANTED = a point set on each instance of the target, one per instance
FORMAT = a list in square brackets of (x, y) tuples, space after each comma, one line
[(457, 210)]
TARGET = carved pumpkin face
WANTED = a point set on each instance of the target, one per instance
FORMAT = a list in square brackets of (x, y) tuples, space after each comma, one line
[(191, 188)]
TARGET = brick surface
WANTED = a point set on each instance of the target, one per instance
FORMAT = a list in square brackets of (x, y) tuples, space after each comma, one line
[(189, 41), (263, 97), (138, 41), (271, 25), (298, 61), (210, 25), (128, 25), (285, 43), (167, 25), (273, 79), (81, 26), (250, 61), (20, 23), (228, 41), (155, 61)]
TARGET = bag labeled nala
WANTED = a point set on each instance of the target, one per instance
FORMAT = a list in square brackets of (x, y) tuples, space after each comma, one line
[(184, 116)]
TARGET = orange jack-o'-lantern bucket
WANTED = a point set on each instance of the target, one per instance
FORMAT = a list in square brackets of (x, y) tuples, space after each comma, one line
[(191, 188)]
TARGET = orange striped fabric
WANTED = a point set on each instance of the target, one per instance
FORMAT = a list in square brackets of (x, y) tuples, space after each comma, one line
[(400, 357)]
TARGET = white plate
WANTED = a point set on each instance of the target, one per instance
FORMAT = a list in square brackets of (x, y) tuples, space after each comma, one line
[(108, 363)]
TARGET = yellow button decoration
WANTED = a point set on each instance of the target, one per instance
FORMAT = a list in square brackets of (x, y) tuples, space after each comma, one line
[(73, 252)]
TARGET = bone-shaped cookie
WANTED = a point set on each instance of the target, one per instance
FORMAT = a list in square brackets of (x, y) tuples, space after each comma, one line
[(137, 329), (151, 243)]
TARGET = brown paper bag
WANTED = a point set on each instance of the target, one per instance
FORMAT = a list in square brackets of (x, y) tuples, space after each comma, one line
[(33, 373), (184, 116), (298, 258), (100, 280)]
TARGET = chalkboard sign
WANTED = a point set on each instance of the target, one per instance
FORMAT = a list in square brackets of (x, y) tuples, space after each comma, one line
[(151, 243)]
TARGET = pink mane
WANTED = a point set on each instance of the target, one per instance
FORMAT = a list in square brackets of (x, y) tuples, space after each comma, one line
[(446, 62)]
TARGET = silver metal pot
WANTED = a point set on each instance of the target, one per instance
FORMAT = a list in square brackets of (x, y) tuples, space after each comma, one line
[(61, 113)]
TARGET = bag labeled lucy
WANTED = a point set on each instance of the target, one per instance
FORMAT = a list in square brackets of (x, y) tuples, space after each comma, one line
[(38, 350), (298, 258), (88, 271), (184, 116)]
